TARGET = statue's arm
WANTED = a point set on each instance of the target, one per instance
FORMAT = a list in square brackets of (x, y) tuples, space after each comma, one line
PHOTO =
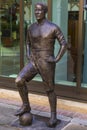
[(63, 44)]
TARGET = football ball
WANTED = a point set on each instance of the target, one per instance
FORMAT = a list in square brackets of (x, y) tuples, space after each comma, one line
[(26, 119)]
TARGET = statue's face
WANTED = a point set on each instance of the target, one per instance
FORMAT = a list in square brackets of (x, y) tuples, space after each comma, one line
[(39, 12)]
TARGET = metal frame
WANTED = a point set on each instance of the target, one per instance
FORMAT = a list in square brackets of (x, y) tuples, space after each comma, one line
[(21, 34), (80, 46), (50, 9)]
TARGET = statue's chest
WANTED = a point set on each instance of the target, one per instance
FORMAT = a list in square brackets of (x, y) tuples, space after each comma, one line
[(41, 32)]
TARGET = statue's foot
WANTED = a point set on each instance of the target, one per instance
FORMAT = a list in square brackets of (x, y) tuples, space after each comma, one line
[(22, 110), (52, 123)]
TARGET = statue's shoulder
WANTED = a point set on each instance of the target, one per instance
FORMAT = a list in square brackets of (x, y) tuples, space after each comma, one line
[(52, 25), (32, 26)]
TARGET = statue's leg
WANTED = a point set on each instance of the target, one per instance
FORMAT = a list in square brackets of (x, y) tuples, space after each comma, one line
[(27, 73), (53, 103), (23, 92), (47, 72), (49, 88)]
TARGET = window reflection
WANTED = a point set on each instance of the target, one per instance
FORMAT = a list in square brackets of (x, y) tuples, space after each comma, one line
[(9, 38), (73, 20), (84, 74)]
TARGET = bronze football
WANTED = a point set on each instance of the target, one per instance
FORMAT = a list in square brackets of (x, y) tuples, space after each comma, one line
[(26, 119)]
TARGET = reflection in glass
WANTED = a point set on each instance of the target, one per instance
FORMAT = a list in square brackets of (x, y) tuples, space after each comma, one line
[(84, 74), (27, 22), (73, 20), (9, 38)]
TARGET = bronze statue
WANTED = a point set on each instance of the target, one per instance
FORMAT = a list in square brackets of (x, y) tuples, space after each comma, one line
[(40, 41)]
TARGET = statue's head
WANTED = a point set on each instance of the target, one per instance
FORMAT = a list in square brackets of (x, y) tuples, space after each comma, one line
[(43, 5), (40, 10)]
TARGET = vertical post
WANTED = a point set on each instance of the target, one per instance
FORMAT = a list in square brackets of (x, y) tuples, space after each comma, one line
[(50, 9), (80, 46), (21, 34)]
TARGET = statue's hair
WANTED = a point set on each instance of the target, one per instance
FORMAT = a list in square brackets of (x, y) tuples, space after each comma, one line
[(44, 5)]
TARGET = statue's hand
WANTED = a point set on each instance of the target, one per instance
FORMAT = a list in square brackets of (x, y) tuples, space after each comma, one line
[(51, 59)]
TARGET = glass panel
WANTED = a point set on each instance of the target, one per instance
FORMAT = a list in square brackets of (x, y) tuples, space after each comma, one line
[(67, 19), (73, 22), (27, 21), (60, 17), (84, 63), (9, 38)]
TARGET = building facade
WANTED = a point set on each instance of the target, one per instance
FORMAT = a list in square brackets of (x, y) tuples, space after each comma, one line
[(71, 72)]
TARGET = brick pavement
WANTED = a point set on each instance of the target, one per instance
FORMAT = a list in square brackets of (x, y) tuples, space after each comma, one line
[(71, 119)]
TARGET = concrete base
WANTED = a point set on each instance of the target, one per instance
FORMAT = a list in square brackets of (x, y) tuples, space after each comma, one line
[(39, 123)]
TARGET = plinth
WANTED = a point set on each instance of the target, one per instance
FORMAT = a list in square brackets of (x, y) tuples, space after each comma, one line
[(39, 123)]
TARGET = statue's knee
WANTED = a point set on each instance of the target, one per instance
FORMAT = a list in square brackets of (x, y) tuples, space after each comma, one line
[(19, 82)]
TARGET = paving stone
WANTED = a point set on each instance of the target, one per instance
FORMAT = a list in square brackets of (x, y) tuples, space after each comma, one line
[(8, 128), (64, 118), (74, 126), (68, 119), (34, 112), (5, 120), (65, 113), (80, 116), (44, 114), (79, 121), (6, 114)]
